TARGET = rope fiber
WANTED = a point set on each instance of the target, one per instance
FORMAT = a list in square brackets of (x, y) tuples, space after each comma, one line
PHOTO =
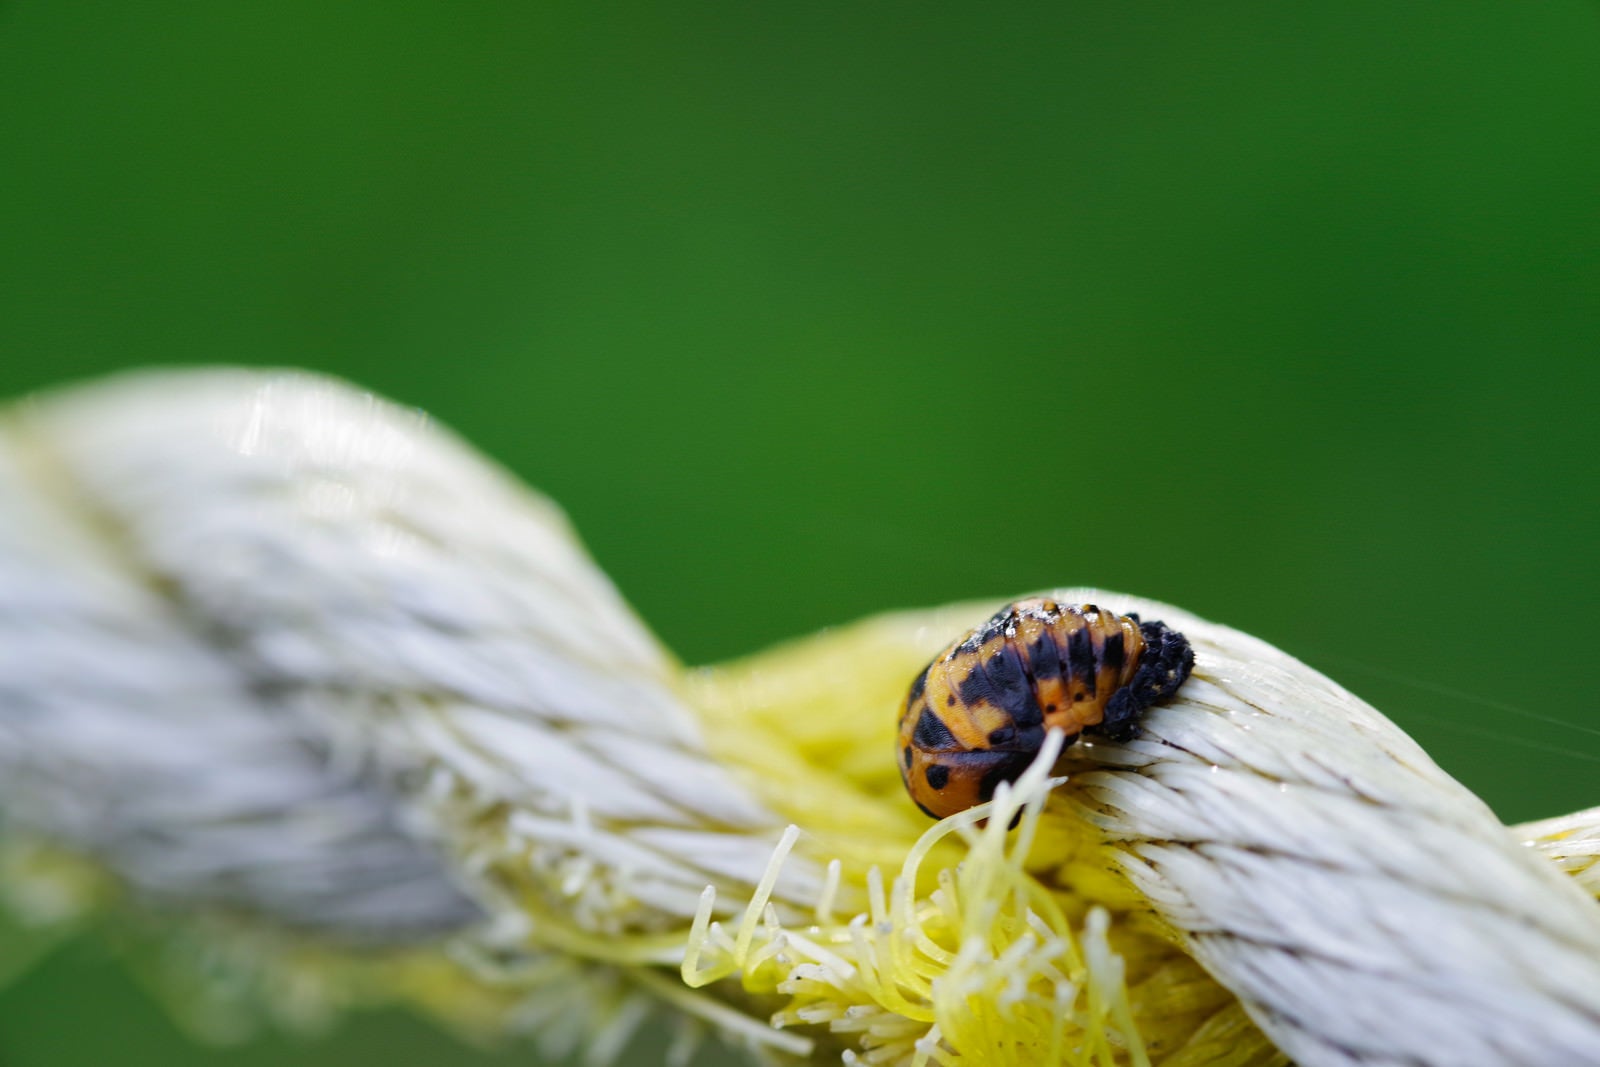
[(272, 646)]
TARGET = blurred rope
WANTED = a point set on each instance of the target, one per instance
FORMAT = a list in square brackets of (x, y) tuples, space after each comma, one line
[(274, 649)]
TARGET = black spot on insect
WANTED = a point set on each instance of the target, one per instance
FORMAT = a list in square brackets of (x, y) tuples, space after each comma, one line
[(1003, 736), (938, 775), (1044, 659), (950, 701), (1008, 676), (1007, 769), (997, 625), (906, 755), (1080, 657), (919, 685), (1002, 682), (975, 687), (993, 628), (931, 733), (1112, 653), (1001, 621)]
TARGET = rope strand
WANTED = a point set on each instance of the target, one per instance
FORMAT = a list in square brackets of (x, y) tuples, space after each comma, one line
[(272, 648)]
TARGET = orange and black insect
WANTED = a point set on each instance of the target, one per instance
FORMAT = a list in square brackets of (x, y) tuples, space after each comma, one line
[(977, 715)]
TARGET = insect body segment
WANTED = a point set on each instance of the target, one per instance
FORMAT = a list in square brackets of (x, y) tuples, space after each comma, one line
[(977, 715)]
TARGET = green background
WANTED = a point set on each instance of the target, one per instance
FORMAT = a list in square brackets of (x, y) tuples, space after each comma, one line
[(1284, 313)]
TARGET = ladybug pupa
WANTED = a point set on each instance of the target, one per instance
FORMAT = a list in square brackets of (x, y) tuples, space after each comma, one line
[(977, 715)]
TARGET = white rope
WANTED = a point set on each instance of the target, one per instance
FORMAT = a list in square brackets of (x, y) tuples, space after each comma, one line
[(230, 599), (124, 734), (272, 645), (1365, 907)]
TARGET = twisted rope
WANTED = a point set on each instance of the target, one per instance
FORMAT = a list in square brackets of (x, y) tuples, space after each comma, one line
[(273, 647), (1365, 907)]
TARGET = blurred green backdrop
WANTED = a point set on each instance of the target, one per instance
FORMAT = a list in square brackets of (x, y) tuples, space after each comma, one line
[(1284, 313)]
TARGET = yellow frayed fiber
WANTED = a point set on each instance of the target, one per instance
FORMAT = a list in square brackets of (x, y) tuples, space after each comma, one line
[(989, 946), (985, 969)]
